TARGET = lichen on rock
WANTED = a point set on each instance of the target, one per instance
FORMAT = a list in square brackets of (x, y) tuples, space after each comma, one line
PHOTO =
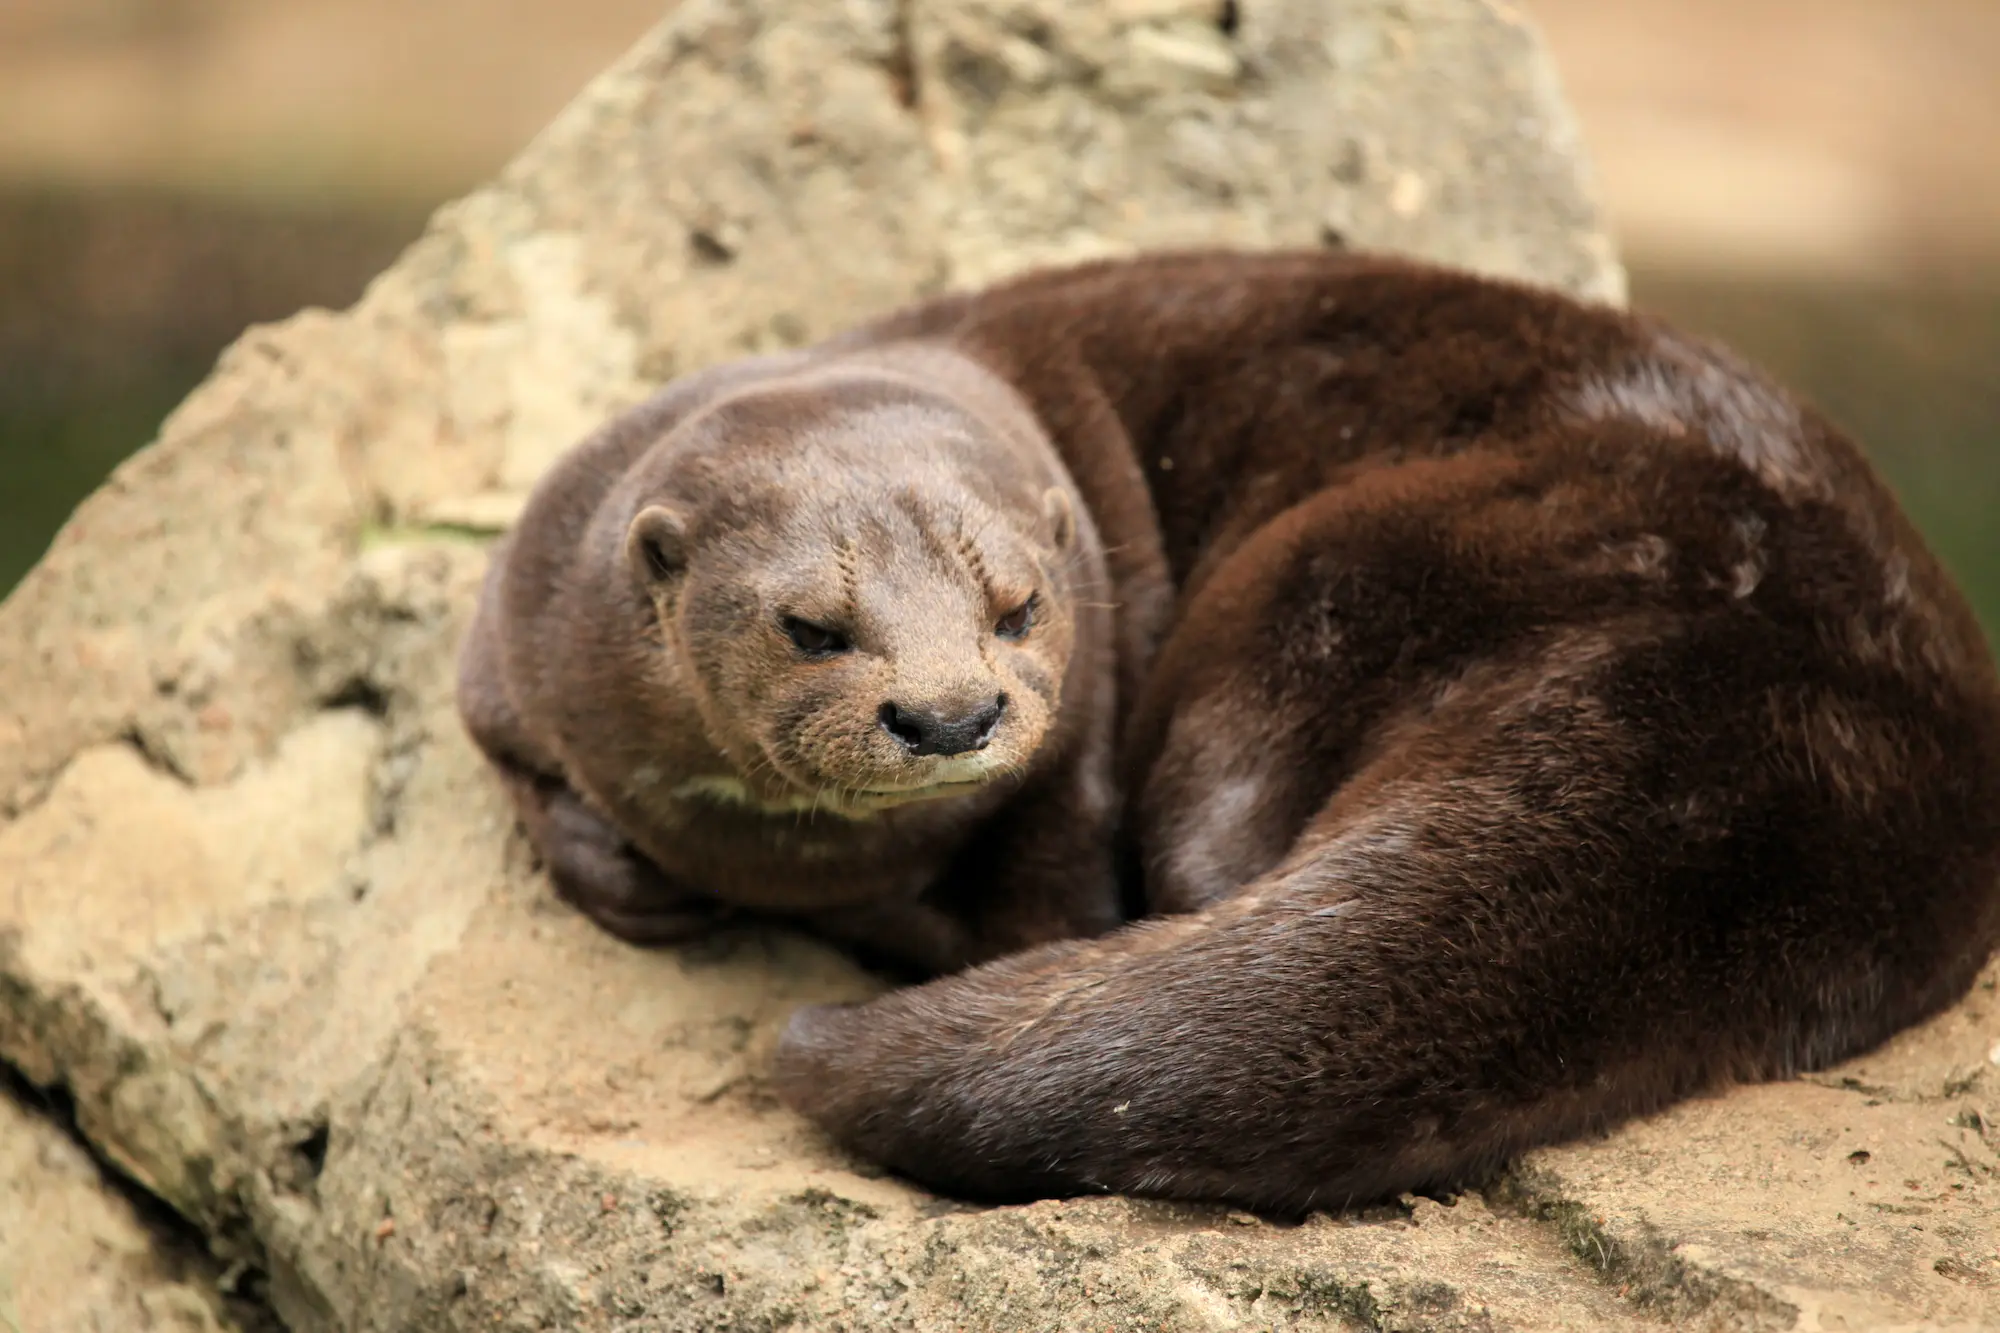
[(266, 918)]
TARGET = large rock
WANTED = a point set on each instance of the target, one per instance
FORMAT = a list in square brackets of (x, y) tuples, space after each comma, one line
[(75, 1255), (263, 913)]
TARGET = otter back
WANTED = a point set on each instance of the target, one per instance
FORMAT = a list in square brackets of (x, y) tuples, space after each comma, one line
[(1556, 718)]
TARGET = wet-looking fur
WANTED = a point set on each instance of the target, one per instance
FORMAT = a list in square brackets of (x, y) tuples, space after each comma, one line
[(826, 638), (1554, 719)]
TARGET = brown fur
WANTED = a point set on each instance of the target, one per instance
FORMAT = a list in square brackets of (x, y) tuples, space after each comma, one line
[(1556, 719), (673, 752)]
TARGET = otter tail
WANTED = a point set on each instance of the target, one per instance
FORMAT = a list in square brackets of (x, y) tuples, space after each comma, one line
[(1560, 928)]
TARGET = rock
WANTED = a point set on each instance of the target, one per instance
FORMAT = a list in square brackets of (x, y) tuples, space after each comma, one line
[(1865, 1197), (265, 917), (75, 1257)]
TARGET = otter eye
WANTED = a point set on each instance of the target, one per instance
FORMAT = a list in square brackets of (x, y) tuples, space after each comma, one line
[(817, 640), (1016, 622)]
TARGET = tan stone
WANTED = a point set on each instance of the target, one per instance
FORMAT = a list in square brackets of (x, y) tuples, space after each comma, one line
[(262, 910), (1867, 1197), (74, 1256)]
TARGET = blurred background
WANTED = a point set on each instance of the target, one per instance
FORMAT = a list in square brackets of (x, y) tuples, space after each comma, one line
[(1816, 181)]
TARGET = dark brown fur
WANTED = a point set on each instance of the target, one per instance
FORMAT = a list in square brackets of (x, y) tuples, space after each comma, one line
[(1556, 719), (673, 754)]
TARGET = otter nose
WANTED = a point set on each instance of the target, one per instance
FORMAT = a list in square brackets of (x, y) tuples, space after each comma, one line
[(924, 731)]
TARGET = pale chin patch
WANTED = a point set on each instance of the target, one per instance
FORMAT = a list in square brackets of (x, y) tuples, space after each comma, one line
[(724, 790), (975, 767), (956, 776), (946, 777)]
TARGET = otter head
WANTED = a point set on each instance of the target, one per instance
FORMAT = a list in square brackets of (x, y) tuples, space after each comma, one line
[(865, 587)]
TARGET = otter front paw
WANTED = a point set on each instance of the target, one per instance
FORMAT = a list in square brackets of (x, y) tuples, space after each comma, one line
[(603, 876)]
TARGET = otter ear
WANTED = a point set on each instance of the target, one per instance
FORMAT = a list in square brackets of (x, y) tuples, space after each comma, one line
[(656, 544), (1061, 518)]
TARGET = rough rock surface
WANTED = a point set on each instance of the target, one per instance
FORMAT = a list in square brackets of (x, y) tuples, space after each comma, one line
[(75, 1255), (263, 914)]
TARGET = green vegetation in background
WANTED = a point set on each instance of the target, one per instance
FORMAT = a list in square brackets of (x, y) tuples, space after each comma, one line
[(1908, 371), (112, 308), (115, 304), (55, 450)]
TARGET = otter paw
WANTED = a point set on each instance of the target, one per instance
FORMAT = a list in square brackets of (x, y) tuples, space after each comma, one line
[(600, 874), (634, 901), (650, 927)]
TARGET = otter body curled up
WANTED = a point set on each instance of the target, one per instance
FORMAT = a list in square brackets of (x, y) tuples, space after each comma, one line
[(1555, 719)]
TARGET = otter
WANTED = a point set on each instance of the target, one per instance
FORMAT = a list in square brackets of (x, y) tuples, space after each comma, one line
[(818, 637), (1554, 719)]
